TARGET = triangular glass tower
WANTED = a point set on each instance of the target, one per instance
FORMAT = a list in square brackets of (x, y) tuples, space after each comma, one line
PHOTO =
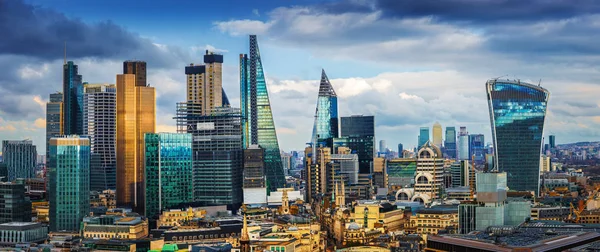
[(326, 115), (257, 119)]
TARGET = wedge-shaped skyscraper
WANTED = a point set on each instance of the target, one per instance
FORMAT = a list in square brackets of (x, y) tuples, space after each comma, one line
[(326, 115), (517, 113), (257, 119)]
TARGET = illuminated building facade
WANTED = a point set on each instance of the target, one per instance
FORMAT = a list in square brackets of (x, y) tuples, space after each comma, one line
[(326, 125), (204, 83)]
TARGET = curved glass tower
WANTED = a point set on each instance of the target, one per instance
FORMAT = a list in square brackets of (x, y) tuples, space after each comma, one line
[(326, 115), (517, 113)]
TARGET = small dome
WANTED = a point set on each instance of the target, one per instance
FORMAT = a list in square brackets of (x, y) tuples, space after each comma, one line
[(353, 226)]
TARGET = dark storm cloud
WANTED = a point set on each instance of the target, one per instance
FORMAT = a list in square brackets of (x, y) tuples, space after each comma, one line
[(28, 30), (489, 11)]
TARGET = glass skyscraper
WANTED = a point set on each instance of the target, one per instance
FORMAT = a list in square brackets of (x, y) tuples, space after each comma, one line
[(463, 144), (517, 113), (477, 147), (69, 182), (99, 124), (54, 118), (20, 157), (423, 136), (450, 142), (359, 132), (73, 100), (168, 163), (258, 126), (326, 115)]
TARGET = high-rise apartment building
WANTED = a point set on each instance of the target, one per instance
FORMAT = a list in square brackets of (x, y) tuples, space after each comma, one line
[(429, 180), (20, 157), (15, 205), (217, 153), (437, 134), (136, 114), (99, 124), (69, 182), (54, 118), (168, 171), (204, 83), (463, 144), (423, 136), (450, 143), (72, 100), (258, 126), (517, 113), (360, 134), (477, 148), (138, 68), (326, 126)]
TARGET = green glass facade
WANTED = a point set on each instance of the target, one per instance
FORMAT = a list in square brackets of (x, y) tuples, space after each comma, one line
[(20, 157), (258, 126), (69, 182), (168, 175), (401, 171)]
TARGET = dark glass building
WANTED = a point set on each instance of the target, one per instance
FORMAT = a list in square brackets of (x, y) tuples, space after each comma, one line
[(450, 143), (326, 126), (360, 134), (400, 150), (138, 68), (20, 157), (72, 100), (423, 136), (258, 126), (477, 147), (552, 140), (517, 113), (168, 171), (54, 117), (14, 205)]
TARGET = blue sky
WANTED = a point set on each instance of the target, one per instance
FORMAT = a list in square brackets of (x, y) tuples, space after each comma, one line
[(409, 63)]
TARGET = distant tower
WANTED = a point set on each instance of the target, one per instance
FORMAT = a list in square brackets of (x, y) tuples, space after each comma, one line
[(285, 203), (463, 144), (429, 174), (450, 142), (423, 136), (382, 146), (437, 134), (72, 100)]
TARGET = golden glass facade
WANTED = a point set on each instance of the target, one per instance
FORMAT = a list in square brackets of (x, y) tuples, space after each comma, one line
[(136, 115)]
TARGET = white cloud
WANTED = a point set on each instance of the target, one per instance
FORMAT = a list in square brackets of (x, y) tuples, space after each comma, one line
[(243, 27)]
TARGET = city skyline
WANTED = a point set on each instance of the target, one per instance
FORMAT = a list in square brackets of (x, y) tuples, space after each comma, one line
[(396, 90)]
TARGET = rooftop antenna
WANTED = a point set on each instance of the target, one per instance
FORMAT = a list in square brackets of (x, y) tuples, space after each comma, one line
[(500, 77), (65, 59), (540, 82)]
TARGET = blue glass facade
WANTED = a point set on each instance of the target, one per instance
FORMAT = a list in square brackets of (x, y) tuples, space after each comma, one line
[(258, 126), (73, 100), (450, 143), (169, 176), (326, 125), (517, 113), (423, 136), (359, 135), (68, 182), (477, 147)]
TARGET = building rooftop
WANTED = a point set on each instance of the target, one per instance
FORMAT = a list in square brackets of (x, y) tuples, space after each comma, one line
[(19, 225)]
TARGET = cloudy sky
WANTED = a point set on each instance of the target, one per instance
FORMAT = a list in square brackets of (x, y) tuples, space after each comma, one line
[(409, 63)]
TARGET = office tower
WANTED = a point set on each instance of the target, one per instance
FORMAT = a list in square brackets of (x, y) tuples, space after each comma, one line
[(380, 176), (99, 124), (517, 113), (54, 118), (258, 126), (217, 153), (168, 169), (204, 83), (345, 166), (20, 158), (255, 181), (450, 143), (552, 140), (72, 100), (400, 150), (401, 172), (477, 147), (382, 146), (423, 136), (316, 171), (69, 182), (462, 174), (326, 124), (138, 68), (136, 113), (437, 134), (3, 172), (286, 161), (430, 172), (463, 144), (15, 205), (360, 134)]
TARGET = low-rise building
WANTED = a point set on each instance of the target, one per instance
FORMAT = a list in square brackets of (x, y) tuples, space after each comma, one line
[(16, 207), (115, 227), (22, 232), (432, 220), (177, 217), (550, 213), (373, 214)]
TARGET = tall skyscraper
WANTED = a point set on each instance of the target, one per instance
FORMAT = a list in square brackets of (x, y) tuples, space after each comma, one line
[(204, 83), (136, 113), (255, 181), (168, 171), (69, 182), (382, 146), (258, 126), (450, 142), (552, 140), (437, 134), (423, 136), (463, 144), (54, 118), (429, 178), (20, 158), (217, 153), (326, 115), (15, 204), (400, 150), (138, 68), (517, 113), (360, 134), (99, 124), (477, 147), (72, 100)]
